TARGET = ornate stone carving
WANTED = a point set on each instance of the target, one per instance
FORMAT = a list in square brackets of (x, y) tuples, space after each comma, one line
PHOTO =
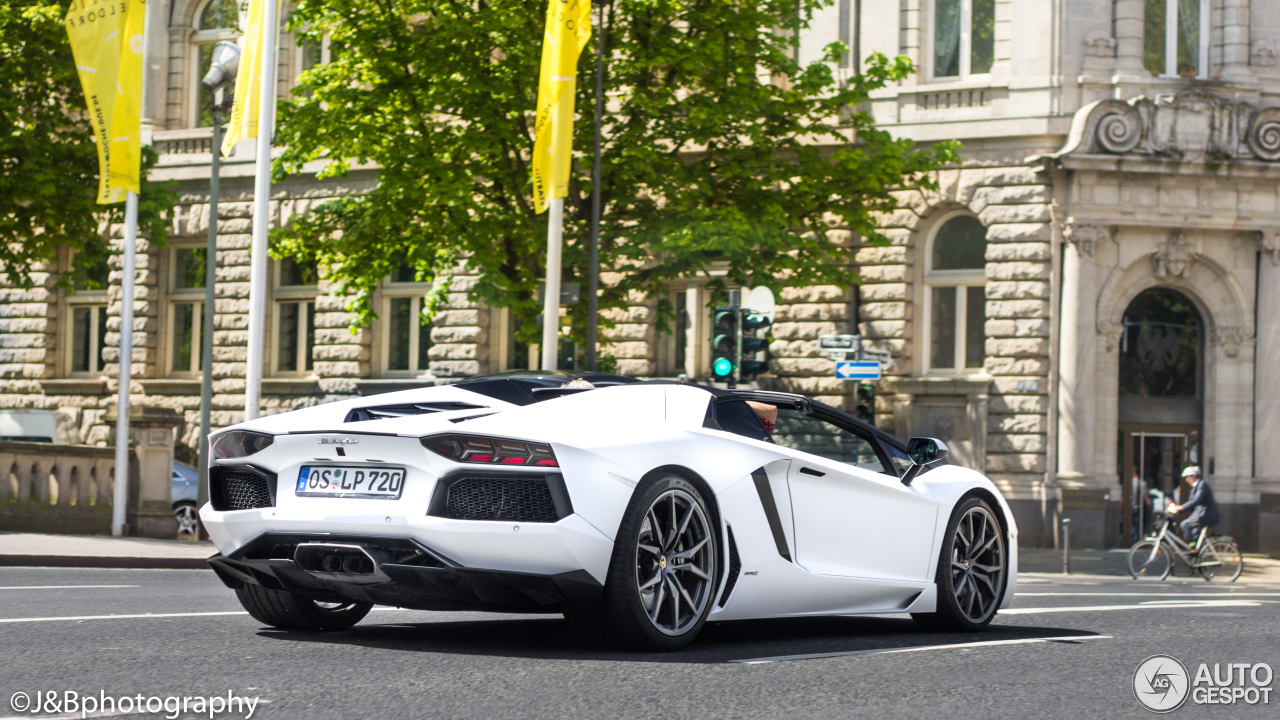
[(1175, 258), (1119, 128), (1085, 237), (1264, 54), (1230, 338), (1110, 333), (1099, 44), (1264, 134), (1269, 243), (1193, 126)]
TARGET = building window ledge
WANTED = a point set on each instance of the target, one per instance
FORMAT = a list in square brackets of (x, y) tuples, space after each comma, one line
[(291, 386), (171, 386), (967, 385), (75, 386), (377, 386)]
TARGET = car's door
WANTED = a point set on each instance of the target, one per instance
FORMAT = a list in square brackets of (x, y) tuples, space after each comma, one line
[(852, 515)]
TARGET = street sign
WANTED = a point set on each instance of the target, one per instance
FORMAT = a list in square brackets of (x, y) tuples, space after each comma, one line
[(839, 342), (868, 354), (858, 370)]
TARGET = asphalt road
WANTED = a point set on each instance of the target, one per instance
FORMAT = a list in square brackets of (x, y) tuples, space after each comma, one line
[(1069, 648)]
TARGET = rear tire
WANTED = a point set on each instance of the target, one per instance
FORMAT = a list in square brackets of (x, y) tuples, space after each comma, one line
[(973, 570), (1226, 554), (291, 611), (663, 575)]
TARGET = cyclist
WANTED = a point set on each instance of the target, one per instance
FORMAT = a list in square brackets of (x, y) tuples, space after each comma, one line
[(1203, 508)]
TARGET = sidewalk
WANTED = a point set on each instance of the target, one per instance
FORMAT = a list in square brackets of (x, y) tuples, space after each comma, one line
[(1114, 563), (31, 549), (86, 551)]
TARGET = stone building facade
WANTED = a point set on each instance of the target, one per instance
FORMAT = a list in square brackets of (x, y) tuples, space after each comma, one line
[(1090, 301)]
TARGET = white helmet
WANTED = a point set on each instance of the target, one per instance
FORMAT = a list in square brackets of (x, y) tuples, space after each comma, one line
[(1191, 471)]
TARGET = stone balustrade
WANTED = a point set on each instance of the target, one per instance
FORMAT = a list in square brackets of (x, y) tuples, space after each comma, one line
[(56, 488)]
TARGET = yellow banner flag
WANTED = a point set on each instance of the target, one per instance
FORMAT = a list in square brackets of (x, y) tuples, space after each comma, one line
[(244, 114), (568, 29), (107, 43)]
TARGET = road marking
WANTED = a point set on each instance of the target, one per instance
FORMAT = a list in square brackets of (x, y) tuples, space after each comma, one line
[(64, 587), (144, 616), (920, 648), (1170, 594), (120, 617), (1152, 605)]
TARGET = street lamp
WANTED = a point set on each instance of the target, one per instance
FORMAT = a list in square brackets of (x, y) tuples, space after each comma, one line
[(222, 73)]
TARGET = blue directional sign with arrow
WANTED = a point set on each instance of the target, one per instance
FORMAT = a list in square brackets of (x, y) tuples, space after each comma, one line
[(858, 370)]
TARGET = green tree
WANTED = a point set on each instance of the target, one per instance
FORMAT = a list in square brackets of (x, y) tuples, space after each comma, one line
[(48, 161), (720, 150)]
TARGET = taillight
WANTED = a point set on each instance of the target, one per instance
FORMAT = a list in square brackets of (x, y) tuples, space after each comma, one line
[(491, 451)]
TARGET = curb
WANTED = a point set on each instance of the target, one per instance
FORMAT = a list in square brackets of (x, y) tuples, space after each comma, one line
[(93, 561)]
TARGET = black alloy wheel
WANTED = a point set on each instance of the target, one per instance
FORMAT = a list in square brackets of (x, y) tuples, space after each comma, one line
[(973, 569), (663, 575)]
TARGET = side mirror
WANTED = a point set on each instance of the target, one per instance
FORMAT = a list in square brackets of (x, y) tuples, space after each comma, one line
[(923, 451)]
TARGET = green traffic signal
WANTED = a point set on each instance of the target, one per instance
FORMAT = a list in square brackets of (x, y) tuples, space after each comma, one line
[(724, 344), (722, 368)]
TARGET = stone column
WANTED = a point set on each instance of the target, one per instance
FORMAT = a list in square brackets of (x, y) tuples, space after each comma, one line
[(1129, 16), (155, 64), (1266, 393), (1077, 359), (1082, 499), (1235, 41), (150, 512)]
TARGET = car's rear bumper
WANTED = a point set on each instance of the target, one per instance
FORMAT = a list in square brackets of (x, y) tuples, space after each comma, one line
[(403, 573)]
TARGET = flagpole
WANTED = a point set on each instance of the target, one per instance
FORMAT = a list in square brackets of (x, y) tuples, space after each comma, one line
[(120, 501), (261, 215), (551, 299), (593, 268)]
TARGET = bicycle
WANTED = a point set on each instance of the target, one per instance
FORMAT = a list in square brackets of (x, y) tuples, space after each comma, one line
[(1151, 558)]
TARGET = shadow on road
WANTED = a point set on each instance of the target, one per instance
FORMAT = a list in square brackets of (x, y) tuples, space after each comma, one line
[(550, 638)]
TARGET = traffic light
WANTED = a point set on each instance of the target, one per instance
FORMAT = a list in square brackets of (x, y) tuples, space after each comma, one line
[(757, 324), (724, 344), (865, 408)]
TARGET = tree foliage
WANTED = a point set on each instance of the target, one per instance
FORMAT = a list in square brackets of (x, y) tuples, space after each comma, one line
[(48, 161), (720, 150)]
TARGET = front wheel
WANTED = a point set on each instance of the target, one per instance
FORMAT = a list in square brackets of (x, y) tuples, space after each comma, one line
[(662, 577), (1149, 560), (291, 611), (1220, 559), (972, 570)]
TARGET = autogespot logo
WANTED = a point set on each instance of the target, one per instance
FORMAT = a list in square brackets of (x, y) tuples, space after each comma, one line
[(1161, 683)]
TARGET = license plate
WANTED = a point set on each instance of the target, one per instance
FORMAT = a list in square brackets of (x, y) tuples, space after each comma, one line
[(361, 482)]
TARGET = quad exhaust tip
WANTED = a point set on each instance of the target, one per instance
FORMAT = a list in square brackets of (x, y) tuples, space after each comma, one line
[(339, 562)]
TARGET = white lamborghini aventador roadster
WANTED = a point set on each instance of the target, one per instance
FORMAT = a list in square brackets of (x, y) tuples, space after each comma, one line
[(639, 510)]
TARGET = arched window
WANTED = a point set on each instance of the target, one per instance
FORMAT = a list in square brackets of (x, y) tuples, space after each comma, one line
[(218, 20), (1160, 348), (955, 296), (1175, 37)]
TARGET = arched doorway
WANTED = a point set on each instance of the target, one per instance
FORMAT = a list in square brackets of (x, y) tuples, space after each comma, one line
[(1161, 396)]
